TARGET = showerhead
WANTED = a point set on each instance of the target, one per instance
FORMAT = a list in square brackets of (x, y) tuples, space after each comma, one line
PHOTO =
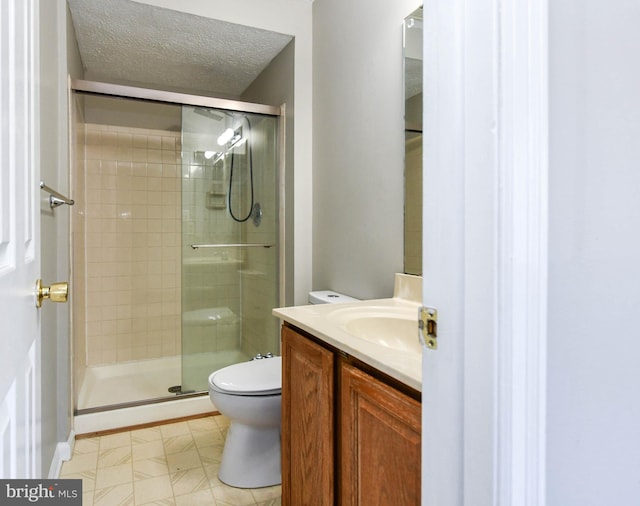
[(208, 113)]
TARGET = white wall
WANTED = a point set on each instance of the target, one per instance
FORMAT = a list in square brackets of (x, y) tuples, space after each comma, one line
[(275, 86), (358, 145), (594, 256), (292, 17)]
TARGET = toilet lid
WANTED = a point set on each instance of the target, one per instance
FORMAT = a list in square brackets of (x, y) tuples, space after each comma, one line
[(256, 377)]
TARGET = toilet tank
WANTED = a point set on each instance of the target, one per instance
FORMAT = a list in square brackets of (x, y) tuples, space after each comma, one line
[(329, 297)]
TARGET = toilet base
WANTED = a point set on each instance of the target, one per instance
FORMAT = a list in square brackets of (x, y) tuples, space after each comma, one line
[(251, 457)]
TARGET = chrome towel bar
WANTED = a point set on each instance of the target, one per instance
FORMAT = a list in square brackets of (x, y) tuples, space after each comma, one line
[(250, 245), (55, 198)]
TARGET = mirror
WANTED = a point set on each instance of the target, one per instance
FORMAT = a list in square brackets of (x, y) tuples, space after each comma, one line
[(413, 143)]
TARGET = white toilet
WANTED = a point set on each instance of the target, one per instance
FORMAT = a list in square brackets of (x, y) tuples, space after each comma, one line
[(250, 394)]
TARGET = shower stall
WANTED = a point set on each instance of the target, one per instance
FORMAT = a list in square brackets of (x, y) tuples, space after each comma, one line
[(175, 242)]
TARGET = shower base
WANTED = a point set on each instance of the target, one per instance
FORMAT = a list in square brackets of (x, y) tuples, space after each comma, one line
[(135, 381), (107, 386)]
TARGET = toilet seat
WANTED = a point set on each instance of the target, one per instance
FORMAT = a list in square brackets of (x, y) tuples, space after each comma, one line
[(256, 377)]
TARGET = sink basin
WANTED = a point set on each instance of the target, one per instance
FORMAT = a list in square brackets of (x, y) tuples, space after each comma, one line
[(391, 327), (390, 332)]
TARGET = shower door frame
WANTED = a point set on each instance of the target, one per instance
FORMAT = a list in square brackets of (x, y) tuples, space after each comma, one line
[(119, 90), (133, 92)]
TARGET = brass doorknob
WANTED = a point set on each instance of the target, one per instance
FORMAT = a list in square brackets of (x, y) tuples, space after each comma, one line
[(57, 292)]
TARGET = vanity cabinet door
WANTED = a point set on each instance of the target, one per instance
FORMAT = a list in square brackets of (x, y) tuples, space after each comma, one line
[(379, 442), (307, 422)]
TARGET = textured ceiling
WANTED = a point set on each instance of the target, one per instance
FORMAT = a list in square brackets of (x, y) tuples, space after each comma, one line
[(126, 41)]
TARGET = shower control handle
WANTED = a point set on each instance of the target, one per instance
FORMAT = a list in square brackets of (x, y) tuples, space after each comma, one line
[(57, 292)]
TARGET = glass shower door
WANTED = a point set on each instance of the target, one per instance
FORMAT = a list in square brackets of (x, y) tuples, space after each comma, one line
[(229, 240)]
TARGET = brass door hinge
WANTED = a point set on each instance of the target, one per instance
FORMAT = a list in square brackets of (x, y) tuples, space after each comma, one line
[(428, 324)]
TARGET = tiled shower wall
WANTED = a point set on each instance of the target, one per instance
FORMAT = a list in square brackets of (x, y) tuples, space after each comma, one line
[(132, 223)]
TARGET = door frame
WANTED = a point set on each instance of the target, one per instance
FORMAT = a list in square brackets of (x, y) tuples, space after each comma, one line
[(522, 252), (485, 251)]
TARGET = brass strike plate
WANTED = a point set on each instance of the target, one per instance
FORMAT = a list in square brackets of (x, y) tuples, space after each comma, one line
[(428, 324)]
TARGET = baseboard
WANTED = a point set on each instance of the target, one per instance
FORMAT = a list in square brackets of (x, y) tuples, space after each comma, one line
[(63, 452)]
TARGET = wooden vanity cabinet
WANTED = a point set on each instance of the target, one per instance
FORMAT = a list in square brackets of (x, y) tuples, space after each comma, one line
[(380, 442), (308, 434), (349, 436)]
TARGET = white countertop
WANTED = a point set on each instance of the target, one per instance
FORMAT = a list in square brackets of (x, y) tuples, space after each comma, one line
[(324, 322)]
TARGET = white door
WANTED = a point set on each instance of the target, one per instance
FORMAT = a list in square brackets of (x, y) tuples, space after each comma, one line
[(443, 254), (19, 244)]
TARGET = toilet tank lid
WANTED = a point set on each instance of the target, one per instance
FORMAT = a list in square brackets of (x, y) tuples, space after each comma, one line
[(329, 297), (256, 377)]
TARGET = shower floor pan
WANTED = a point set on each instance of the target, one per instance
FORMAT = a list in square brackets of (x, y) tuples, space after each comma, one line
[(111, 384)]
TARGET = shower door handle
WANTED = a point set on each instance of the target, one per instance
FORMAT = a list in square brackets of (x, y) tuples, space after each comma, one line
[(57, 292), (226, 245)]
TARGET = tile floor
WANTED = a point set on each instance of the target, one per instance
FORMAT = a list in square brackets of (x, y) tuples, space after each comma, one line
[(168, 465)]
